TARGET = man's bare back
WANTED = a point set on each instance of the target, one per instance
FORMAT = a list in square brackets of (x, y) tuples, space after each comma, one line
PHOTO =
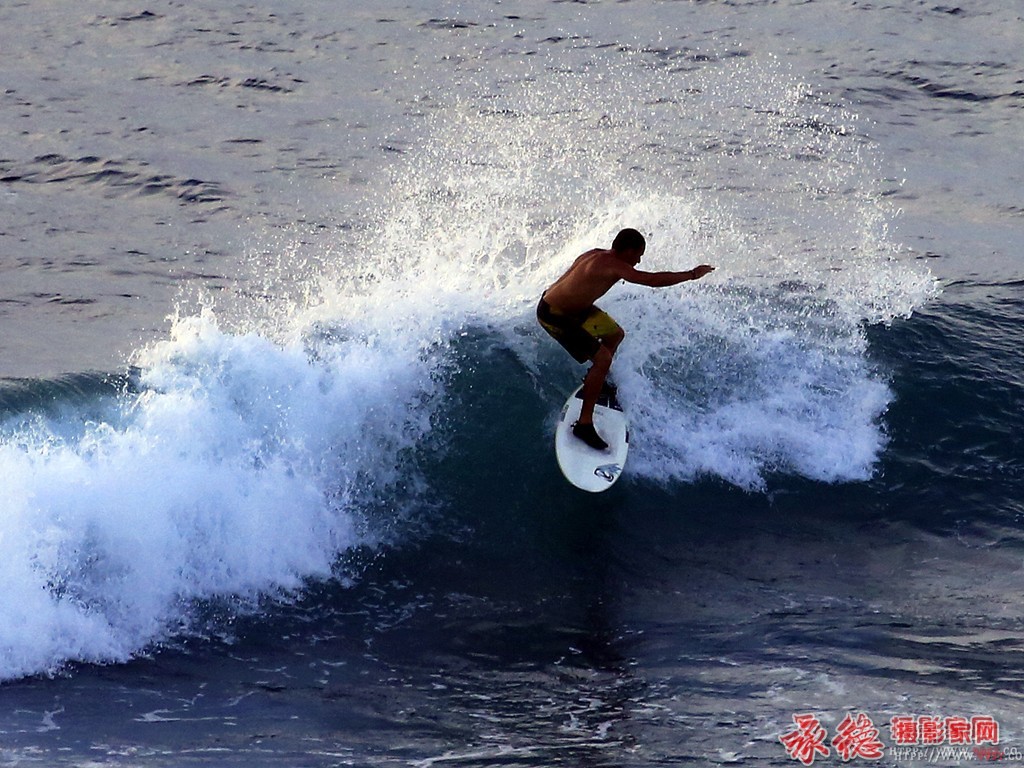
[(587, 280)]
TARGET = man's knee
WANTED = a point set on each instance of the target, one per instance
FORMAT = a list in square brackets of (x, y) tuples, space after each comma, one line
[(612, 341)]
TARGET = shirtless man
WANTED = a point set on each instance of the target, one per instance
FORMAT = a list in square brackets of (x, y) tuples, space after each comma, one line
[(567, 312)]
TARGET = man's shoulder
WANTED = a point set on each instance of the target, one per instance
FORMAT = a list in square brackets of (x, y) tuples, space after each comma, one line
[(598, 263), (600, 256), (606, 261)]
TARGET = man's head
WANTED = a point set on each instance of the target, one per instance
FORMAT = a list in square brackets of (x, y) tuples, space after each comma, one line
[(629, 245)]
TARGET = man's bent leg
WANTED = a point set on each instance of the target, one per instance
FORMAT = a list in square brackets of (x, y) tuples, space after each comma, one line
[(593, 382)]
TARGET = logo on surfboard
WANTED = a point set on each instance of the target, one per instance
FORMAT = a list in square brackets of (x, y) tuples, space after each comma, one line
[(608, 471)]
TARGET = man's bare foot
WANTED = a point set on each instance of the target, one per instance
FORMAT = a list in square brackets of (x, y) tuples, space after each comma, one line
[(588, 435)]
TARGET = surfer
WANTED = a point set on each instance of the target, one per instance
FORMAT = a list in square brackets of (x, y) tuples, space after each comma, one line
[(568, 313)]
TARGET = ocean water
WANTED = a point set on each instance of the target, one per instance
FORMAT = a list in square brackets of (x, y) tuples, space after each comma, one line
[(276, 420)]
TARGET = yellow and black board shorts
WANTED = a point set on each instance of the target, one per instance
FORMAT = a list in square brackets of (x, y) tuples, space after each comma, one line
[(579, 332)]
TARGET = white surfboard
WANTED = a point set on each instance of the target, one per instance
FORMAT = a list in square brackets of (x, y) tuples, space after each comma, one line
[(583, 466)]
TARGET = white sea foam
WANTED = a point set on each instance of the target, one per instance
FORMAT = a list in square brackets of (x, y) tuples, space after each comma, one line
[(236, 471)]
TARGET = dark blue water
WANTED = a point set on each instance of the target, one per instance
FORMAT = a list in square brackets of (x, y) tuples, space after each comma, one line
[(314, 518)]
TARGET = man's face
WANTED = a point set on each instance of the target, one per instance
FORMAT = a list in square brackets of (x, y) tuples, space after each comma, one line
[(634, 255)]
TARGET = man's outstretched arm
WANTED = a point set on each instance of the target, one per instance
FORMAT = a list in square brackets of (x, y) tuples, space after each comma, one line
[(663, 279)]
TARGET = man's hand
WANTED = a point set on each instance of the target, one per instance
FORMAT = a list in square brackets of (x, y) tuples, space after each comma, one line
[(699, 272)]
